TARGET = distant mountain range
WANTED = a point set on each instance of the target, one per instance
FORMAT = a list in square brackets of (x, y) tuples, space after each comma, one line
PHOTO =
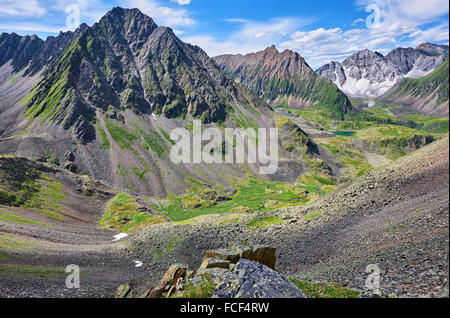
[(284, 78), (371, 74)]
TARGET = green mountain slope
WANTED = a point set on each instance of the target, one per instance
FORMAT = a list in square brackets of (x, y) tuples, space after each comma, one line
[(429, 94), (127, 62), (285, 78)]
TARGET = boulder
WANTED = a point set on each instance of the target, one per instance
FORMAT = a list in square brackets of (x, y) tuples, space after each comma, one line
[(173, 274), (243, 251), (250, 279), (223, 254), (126, 290), (172, 281), (214, 263), (264, 255)]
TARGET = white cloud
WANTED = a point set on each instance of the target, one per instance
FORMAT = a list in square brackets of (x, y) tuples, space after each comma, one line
[(182, 2), (163, 15), (251, 36), (408, 13), (32, 27), (24, 8), (402, 24), (358, 21)]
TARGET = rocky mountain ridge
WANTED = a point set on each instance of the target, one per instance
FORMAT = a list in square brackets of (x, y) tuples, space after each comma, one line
[(284, 78), (429, 95), (370, 74)]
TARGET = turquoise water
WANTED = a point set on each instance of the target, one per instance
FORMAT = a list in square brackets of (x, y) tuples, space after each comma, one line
[(344, 133)]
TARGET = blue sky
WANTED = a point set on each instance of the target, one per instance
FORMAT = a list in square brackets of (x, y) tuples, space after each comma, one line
[(319, 30)]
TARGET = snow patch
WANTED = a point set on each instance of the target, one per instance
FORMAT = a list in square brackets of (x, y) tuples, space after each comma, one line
[(371, 103), (364, 88), (417, 73), (120, 236)]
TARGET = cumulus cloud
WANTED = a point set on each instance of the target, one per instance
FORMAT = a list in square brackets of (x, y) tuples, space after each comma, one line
[(250, 36), (24, 8), (402, 23), (182, 2), (162, 14)]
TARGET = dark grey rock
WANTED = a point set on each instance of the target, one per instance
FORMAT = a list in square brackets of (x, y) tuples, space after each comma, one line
[(253, 280)]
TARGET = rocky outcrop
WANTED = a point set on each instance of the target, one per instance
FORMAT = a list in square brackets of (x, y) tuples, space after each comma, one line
[(253, 280), (236, 272), (370, 74), (173, 281)]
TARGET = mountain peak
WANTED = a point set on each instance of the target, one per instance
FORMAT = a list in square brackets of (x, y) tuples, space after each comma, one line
[(276, 76), (271, 49)]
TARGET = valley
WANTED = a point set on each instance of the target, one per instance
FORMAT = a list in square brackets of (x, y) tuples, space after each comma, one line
[(87, 176)]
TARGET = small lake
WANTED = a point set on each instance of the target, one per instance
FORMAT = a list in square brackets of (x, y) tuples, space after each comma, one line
[(344, 133)]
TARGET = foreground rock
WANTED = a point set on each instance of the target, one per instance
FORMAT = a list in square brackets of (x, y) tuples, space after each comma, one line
[(237, 272), (253, 280)]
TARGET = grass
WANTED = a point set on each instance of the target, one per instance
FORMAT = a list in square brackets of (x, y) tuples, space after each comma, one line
[(312, 216), (30, 188), (122, 213), (203, 290), (9, 217), (315, 179), (10, 243), (157, 254), (105, 141), (429, 123), (47, 199), (324, 290), (37, 272), (152, 140), (250, 196), (378, 132), (122, 137), (265, 222)]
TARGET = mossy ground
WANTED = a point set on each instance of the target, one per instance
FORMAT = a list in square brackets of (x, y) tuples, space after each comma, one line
[(324, 290), (203, 290), (36, 272), (265, 222), (8, 242), (170, 245), (122, 213), (252, 196), (25, 186), (9, 216)]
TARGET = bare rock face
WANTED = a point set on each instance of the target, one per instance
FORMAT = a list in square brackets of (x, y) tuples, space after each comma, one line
[(170, 283), (265, 255), (126, 290), (237, 272), (370, 74), (253, 280), (414, 63)]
